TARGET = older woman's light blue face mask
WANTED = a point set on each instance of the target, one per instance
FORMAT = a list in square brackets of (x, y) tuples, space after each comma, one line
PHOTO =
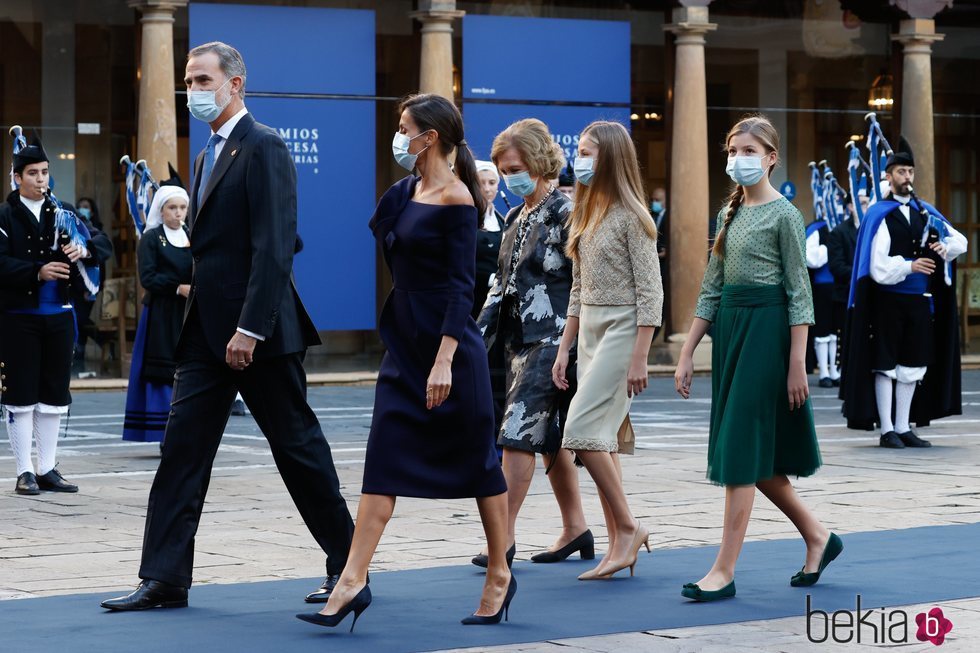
[(520, 184)]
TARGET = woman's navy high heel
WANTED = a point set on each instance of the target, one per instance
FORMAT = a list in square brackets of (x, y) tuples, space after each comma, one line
[(474, 620), (357, 605)]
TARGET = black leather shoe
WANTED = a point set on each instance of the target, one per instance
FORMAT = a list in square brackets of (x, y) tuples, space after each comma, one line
[(836, 382), (150, 594), (891, 440), (53, 481), (322, 595), (483, 560), (825, 382), (584, 544), (238, 408), (910, 439), (27, 484)]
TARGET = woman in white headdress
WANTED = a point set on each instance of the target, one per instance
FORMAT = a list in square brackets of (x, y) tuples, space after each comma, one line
[(489, 236), (165, 268)]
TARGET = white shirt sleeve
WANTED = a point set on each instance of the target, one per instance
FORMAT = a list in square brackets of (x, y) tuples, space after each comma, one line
[(250, 334), (816, 254), (887, 270)]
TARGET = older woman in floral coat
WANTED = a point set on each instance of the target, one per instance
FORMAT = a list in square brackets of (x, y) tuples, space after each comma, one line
[(525, 312)]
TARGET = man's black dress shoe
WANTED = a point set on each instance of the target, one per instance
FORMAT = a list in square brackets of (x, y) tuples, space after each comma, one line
[(150, 594), (322, 595), (27, 484), (910, 439), (53, 481), (891, 440)]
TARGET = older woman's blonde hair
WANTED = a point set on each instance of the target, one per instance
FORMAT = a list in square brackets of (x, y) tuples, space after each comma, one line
[(532, 140)]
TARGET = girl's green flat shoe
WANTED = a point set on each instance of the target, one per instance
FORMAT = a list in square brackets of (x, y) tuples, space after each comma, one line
[(830, 553), (692, 591)]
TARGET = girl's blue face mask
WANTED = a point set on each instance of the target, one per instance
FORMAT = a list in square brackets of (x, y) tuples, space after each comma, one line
[(745, 170), (584, 169)]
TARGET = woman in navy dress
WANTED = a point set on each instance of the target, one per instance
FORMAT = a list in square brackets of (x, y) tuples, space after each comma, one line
[(433, 429)]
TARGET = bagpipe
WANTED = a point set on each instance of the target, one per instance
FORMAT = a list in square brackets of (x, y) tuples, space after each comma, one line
[(935, 230), (69, 229), (878, 153), (20, 142), (139, 185), (858, 174), (828, 196)]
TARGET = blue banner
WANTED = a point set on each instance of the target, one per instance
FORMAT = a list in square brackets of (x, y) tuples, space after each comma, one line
[(297, 50), (294, 49), (547, 59), (499, 93)]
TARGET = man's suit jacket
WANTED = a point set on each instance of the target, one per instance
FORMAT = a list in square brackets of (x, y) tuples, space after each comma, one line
[(243, 236)]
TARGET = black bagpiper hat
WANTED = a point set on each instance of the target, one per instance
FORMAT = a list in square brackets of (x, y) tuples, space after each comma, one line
[(567, 176), (174, 180), (902, 156), (33, 153)]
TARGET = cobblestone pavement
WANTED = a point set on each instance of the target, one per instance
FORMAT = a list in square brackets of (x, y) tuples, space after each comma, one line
[(250, 531)]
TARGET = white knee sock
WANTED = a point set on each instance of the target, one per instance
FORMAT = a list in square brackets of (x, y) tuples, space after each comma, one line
[(832, 357), (46, 427), (903, 405), (20, 430), (883, 393), (821, 349)]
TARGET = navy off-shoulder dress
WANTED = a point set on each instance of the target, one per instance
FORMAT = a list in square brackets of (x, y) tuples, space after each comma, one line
[(447, 452)]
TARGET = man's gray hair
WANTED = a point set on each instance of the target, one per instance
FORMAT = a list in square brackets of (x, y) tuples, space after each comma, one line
[(229, 59)]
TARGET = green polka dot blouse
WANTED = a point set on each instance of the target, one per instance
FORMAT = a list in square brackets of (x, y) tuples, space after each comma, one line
[(765, 245)]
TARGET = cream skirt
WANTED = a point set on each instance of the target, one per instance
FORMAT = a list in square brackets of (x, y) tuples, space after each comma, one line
[(598, 417)]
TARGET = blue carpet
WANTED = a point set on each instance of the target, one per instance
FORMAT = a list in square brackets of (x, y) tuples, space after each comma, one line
[(419, 610)]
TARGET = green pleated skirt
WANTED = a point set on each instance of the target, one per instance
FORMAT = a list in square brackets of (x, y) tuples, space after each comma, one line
[(754, 435)]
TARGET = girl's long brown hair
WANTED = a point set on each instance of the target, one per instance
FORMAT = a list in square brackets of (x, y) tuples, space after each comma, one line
[(762, 130), (616, 180)]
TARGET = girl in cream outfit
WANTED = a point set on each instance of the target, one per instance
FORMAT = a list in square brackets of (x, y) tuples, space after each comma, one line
[(615, 305)]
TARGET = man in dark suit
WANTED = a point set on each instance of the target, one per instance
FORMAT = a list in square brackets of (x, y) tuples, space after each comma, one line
[(245, 329)]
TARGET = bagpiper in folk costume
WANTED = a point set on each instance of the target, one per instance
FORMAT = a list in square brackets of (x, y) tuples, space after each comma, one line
[(44, 249), (902, 340), (829, 213)]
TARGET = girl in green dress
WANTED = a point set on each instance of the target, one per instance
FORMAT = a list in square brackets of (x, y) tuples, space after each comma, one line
[(757, 293)]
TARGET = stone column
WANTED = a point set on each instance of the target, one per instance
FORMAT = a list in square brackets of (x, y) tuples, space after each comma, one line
[(688, 198), (157, 130), (917, 36), (436, 65)]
